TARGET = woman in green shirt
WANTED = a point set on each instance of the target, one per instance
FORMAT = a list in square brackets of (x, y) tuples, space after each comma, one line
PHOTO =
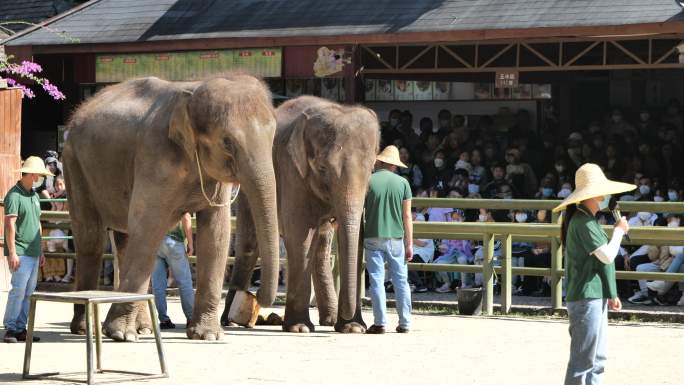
[(590, 271)]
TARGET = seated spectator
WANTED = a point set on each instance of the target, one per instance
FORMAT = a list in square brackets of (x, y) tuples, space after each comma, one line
[(675, 266), (519, 252), (423, 252), (443, 124), (453, 251), (479, 174), (53, 269), (412, 172), (438, 174), (520, 174), (491, 189)]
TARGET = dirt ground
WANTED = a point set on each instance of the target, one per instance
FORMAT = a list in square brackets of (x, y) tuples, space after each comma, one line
[(438, 350)]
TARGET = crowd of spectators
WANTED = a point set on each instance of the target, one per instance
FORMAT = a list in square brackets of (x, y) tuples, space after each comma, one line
[(503, 157)]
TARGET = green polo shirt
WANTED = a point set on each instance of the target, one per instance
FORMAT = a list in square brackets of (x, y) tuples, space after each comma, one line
[(25, 205), (386, 193), (588, 278), (177, 233)]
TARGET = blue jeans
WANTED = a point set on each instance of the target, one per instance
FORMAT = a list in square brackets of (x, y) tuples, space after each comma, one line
[(18, 299), (391, 251), (456, 257), (171, 255), (588, 327)]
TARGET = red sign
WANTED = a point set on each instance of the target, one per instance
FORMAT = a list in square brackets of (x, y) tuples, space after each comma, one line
[(163, 57), (211, 55), (106, 59), (130, 61), (245, 53), (268, 53)]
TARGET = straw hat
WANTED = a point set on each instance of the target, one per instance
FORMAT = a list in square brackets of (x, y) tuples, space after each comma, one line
[(390, 155), (590, 182), (34, 165)]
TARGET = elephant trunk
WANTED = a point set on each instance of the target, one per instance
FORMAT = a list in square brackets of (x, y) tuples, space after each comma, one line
[(348, 240), (259, 187)]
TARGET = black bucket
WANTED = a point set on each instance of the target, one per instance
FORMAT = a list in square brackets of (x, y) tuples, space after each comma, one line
[(470, 301)]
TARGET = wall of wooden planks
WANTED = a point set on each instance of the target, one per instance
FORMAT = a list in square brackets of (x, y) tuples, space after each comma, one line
[(10, 160)]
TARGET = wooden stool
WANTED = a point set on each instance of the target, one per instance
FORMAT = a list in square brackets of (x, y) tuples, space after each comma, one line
[(92, 300)]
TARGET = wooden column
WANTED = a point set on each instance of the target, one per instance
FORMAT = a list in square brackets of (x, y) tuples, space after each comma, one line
[(10, 159)]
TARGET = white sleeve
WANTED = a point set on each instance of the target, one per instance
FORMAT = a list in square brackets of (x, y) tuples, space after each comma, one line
[(606, 253), (643, 250)]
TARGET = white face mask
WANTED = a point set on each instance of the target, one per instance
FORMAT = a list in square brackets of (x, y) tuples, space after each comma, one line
[(672, 195), (604, 203), (473, 188), (39, 182), (673, 223), (644, 189), (439, 162), (482, 218), (658, 199), (560, 169), (644, 216), (521, 217)]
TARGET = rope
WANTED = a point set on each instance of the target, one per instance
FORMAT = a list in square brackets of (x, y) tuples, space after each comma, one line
[(211, 203)]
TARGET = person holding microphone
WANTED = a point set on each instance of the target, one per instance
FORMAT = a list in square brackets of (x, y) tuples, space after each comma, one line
[(590, 271)]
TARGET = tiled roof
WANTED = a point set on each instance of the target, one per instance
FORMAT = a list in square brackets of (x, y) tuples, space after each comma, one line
[(108, 21), (31, 11)]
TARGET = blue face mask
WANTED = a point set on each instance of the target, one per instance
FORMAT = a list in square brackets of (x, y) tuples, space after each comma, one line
[(604, 203), (547, 192)]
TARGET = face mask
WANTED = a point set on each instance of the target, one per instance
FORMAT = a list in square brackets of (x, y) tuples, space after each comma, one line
[(672, 195), (547, 192), (394, 122), (564, 193), (473, 188), (482, 218), (507, 196), (658, 199), (673, 223), (644, 216), (39, 182), (604, 203), (644, 189), (521, 217), (439, 162), (560, 169)]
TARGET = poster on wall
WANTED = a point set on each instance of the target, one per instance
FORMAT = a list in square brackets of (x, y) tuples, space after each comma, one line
[(330, 88), (441, 91), (462, 91), (483, 91), (369, 89), (423, 90), (384, 90), (522, 91), (403, 89)]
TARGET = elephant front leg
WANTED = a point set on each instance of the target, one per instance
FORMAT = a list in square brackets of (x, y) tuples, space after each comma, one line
[(356, 324), (323, 280), (297, 319), (213, 236)]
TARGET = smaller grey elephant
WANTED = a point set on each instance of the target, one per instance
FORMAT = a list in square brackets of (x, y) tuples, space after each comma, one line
[(323, 155)]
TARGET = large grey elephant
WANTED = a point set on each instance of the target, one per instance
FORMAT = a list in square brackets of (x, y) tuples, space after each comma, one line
[(323, 155), (139, 155)]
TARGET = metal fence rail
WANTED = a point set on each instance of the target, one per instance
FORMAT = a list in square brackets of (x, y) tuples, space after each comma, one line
[(488, 233)]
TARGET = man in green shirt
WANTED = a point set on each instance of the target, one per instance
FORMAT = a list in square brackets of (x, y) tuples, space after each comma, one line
[(22, 247), (388, 238), (590, 271)]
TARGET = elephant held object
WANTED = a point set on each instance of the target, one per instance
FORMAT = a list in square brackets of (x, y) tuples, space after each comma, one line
[(140, 154), (323, 155)]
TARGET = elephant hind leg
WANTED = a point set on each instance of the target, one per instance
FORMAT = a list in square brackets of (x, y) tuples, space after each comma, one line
[(89, 235), (323, 280)]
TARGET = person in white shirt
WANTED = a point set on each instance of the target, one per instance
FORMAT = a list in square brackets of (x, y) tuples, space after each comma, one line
[(423, 252)]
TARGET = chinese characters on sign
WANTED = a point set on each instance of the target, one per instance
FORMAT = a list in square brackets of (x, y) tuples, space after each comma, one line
[(507, 79)]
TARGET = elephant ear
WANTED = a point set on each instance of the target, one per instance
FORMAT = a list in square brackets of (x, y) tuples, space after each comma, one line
[(181, 130), (296, 145)]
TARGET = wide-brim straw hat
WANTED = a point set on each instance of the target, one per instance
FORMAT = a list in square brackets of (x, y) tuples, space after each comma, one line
[(34, 165), (390, 155), (590, 182)]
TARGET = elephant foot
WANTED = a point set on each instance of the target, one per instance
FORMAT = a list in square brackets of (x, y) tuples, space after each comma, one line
[(204, 330), (302, 327), (78, 325), (350, 328), (120, 324)]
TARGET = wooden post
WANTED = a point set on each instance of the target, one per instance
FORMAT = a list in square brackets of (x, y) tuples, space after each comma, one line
[(10, 158), (488, 273), (507, 283), (556, 265)]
